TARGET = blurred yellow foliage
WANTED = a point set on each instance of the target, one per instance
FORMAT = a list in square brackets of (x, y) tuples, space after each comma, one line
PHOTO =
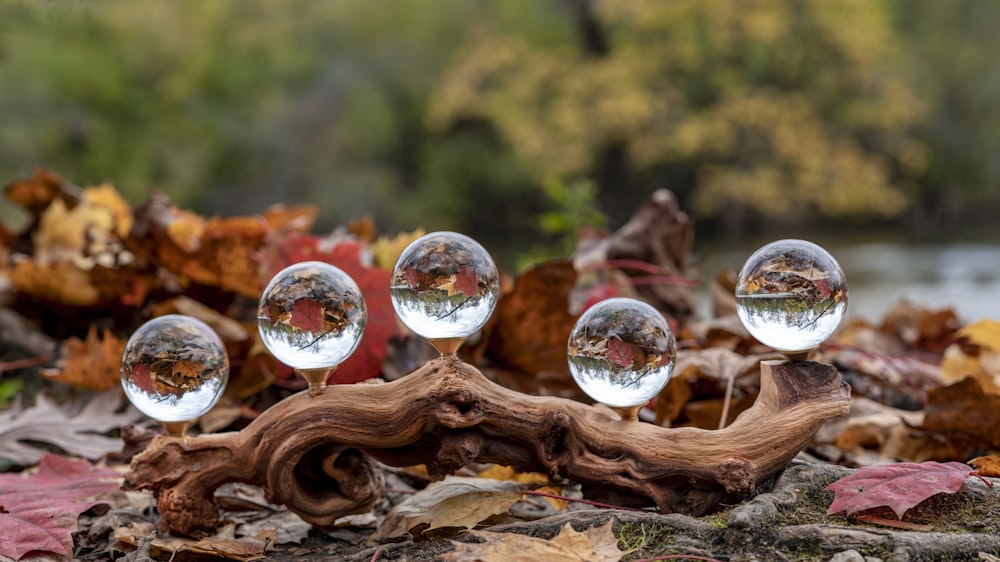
[(779, 106)]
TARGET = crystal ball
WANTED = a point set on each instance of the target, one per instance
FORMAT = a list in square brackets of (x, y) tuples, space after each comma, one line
[(791, 295), (444, 285), (174, 368), (621, 352), (311, 315)]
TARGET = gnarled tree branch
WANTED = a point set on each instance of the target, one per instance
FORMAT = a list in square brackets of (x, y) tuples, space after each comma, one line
[(315, 454)]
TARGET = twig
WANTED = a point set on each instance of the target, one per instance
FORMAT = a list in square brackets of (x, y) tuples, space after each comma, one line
[(26, 362), (680, 557), (726, 401), (588, 502)]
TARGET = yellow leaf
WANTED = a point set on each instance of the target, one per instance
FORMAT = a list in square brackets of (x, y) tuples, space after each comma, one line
[(596, 544), (985, 368), (386, 250), (500, 472), (985, 333), (107, 197)]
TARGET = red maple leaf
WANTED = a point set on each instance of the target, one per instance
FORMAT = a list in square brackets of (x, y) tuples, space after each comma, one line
[(620, 353), (898, 486), (307, 316), (142, 376), (466, 281), (38, 513), (412, 277), (366, 361)]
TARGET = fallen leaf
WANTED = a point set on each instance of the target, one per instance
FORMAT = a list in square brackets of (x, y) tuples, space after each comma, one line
[(260, 517), (36, 193), (387, 250), (217, 252), (93, 363), (988, 466), (964, 414), (60, 282), (532, 321), (466, 281), (38, 512), (620, 353), (984, 366), (596, 544), (223, 544), (453, 502), (897, 486), (79, 434), (307, 316), (501, 472), (985, 333)]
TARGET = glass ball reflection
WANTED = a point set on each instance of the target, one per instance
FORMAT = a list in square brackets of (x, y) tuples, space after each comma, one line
[(174, 368), (311, 315), (791, 295), (444, 285), (621, 352)]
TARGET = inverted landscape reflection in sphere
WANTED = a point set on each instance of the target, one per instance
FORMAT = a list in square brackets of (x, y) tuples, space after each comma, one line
[(621, 352), (444, 285), (791, 295), (311, 315), (174, 368)]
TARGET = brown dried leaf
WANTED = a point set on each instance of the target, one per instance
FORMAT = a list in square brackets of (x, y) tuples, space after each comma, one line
[(223, 544), (454, 502), (36, 193), (531, 322), (60, 282), (969, 418), (596, 544), (93, 363), (219, 252)]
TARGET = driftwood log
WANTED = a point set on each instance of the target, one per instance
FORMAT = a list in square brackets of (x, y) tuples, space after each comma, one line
[(316, 453)]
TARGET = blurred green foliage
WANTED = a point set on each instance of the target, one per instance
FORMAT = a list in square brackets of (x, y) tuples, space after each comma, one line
[(492, 117)]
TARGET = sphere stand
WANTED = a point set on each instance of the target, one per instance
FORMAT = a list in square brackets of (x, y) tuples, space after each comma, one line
[(318, 452)]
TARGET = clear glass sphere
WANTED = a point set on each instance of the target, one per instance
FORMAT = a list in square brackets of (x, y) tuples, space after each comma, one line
[(791, 295), (444, 285), (311, 315), (621, 352), (174, 368)]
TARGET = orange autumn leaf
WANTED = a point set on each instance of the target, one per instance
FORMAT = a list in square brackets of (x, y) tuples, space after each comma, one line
[(218, 252), (92, 363), (36, 193), (59, 281), (988, 466)]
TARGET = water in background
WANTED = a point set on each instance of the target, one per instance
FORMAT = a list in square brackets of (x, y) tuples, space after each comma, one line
[(964, 276)]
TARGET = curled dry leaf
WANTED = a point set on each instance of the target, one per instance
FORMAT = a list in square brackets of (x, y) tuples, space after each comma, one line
[(965, 415), (454, 502), (93, 363), (80, 434), (596, 544), (531, 322), (223, 544)]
